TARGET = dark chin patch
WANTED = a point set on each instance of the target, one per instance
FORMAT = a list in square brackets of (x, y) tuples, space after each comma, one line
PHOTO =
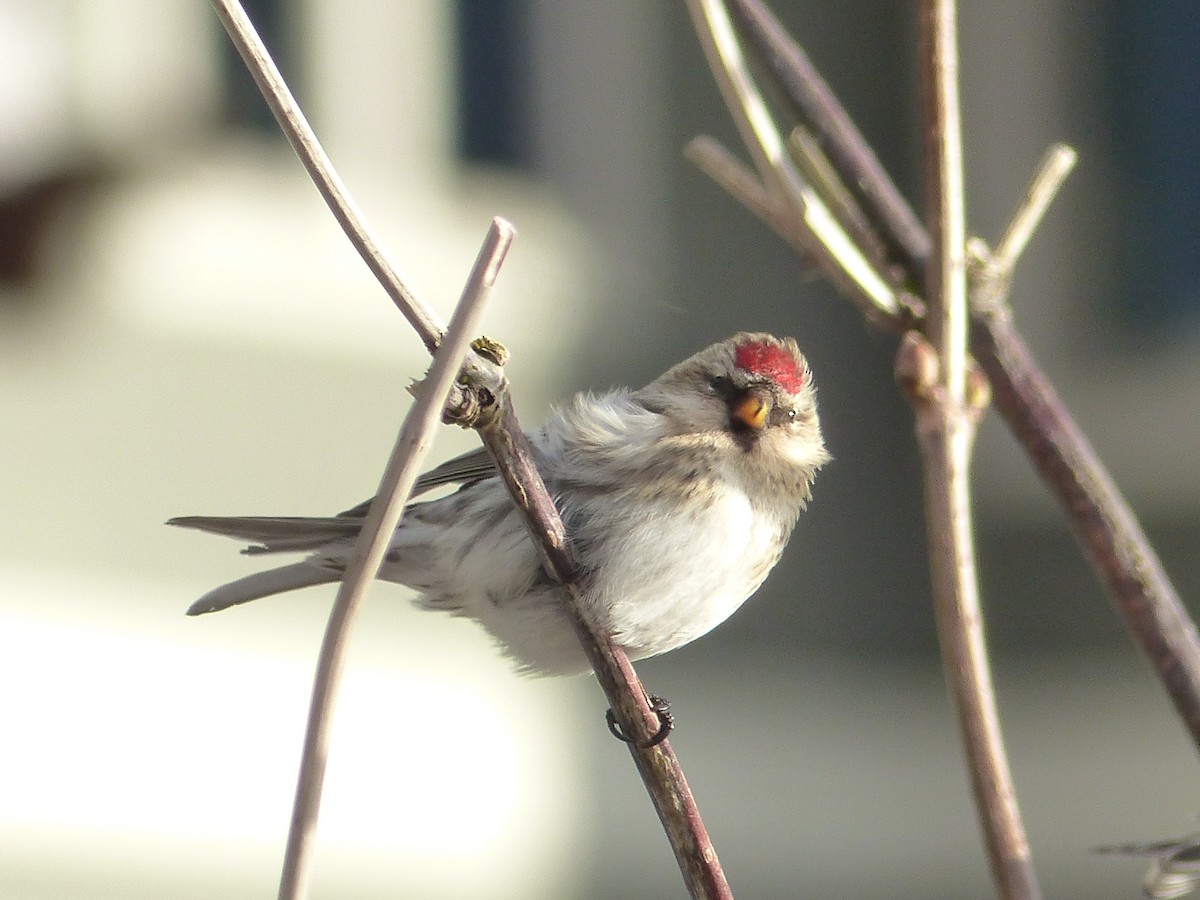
[(743, 435)]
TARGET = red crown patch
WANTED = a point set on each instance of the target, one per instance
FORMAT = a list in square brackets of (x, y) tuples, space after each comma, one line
[(771, 362)]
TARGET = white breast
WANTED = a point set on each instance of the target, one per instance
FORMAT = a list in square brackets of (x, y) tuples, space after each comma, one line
[(682, 573)]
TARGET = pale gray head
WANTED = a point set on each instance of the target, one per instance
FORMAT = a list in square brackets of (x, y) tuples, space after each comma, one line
[(752, 397)]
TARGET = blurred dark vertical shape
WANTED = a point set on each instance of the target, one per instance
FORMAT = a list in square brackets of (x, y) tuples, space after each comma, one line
[(493, 82), (1153, 56), (26, 212)]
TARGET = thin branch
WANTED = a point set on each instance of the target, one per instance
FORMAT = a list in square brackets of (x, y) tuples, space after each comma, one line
[(1053, 170), (824, 239), (1106, 526), (412, 444), (946, 427), (991, 271), (712, 158), (945, 215), (741, 183), (1173, 868), (841, 140), (304, 141), (816, 171), (658, 766)]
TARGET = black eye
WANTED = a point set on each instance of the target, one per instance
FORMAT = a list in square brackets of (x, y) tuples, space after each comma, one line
[(780, 416), (719, 384)]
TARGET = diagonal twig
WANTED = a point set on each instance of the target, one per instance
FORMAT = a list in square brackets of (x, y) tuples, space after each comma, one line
[(304, 141), (817, 171), (660, 769), (946, 428), (408, 455), (1055, 166), (841, 140), (741, 183), (712, 158), (991, 271), (814, 227), (1105, 524)]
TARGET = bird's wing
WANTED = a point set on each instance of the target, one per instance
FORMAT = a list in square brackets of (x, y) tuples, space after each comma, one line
[(469, 467), (276, 534)]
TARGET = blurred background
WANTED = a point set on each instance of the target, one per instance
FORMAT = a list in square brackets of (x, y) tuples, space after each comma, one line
[(184, 329)]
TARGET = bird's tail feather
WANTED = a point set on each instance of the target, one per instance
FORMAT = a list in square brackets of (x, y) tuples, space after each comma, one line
[(273, 534), (262, 584)]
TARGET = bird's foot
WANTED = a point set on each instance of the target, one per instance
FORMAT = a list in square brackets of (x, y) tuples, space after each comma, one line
[(666, 721)]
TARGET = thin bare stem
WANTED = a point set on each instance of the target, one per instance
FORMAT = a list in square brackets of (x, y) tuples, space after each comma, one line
[(946, 428), (304, 141), (991, 271), (658, 766), (405, 463), (817, 230), (1114, 542), (816, 170), (841, 140), (945, 215), (1052, 171), (713, 159)]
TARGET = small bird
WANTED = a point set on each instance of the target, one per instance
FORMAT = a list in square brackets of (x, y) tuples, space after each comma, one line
[(678, 498)]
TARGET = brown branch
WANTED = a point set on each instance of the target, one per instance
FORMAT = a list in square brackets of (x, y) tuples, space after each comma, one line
[(815, 229), (992, 270), (945, 215), (482, 401), (1107, 528), (304, 141), (408, 455), (715, 161), (659, 768), (1055, 166), (712, 158), (817, 171), (946, 428), (841, 140)]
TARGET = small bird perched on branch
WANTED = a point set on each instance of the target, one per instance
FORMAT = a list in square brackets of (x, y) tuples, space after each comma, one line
[(678, 499)]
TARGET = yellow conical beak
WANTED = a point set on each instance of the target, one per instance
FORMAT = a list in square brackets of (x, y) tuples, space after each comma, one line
[(751, 410)]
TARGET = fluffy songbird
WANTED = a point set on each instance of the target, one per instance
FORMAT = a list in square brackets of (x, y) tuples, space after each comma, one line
[(678, 497)]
